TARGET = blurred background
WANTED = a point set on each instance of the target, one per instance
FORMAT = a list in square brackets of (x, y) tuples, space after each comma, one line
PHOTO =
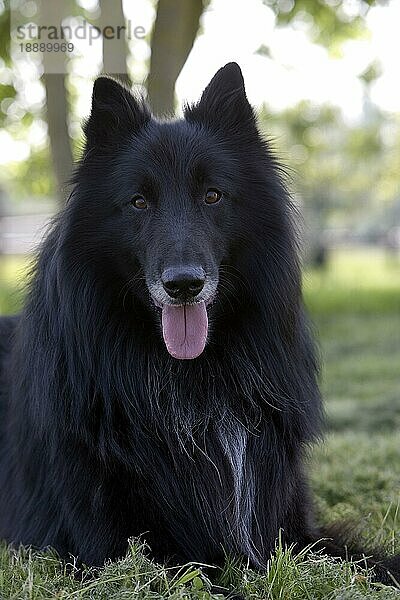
[(324, 77)]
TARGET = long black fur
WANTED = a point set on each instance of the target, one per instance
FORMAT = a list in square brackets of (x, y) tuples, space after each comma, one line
[(103, 434)]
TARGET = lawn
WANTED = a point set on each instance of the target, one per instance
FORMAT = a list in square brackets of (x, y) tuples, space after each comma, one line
[(355, 306)]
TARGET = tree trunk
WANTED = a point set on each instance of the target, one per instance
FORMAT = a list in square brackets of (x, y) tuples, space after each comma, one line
[(175, 30), (114, 50), (56, 101), (57, 119)]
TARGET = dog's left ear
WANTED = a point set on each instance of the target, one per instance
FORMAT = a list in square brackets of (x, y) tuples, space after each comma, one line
[(224, 103)]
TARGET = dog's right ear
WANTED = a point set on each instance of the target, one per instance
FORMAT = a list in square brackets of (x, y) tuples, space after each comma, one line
[(115, 113), (224, 104)]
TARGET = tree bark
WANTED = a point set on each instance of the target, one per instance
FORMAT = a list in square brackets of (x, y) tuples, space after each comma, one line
[(175, 30), (56, 101), (115, 50), (57, 122)]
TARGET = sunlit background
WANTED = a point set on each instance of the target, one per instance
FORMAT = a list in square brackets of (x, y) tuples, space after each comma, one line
[(324, 77), (322, 74)]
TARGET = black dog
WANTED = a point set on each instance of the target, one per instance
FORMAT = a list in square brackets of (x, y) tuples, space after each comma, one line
[(162, 377)]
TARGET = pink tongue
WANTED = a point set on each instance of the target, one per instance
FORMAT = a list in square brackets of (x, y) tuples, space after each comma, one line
[(185, 329)]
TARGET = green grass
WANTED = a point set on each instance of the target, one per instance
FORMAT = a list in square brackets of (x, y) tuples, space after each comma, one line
[(355, 306)]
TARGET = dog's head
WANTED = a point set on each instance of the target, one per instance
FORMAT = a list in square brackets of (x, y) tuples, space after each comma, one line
[(177, 203)]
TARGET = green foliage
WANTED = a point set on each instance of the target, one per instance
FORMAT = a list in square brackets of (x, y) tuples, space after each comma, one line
[(371, 73), (31, 178), (328, 22), (5, 34), (345, 173)]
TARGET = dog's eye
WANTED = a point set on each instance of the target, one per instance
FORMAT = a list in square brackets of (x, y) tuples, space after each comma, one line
[(212, 196), (139, 201)]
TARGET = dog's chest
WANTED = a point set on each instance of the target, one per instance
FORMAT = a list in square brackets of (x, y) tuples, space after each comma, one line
[(233, 441), (235, 488)]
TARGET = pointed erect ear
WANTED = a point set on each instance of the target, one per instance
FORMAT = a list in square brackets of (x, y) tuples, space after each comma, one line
[(115, 113), (224, 103)]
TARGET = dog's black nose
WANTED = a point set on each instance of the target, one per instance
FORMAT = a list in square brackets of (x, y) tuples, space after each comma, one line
[(182, 282)]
